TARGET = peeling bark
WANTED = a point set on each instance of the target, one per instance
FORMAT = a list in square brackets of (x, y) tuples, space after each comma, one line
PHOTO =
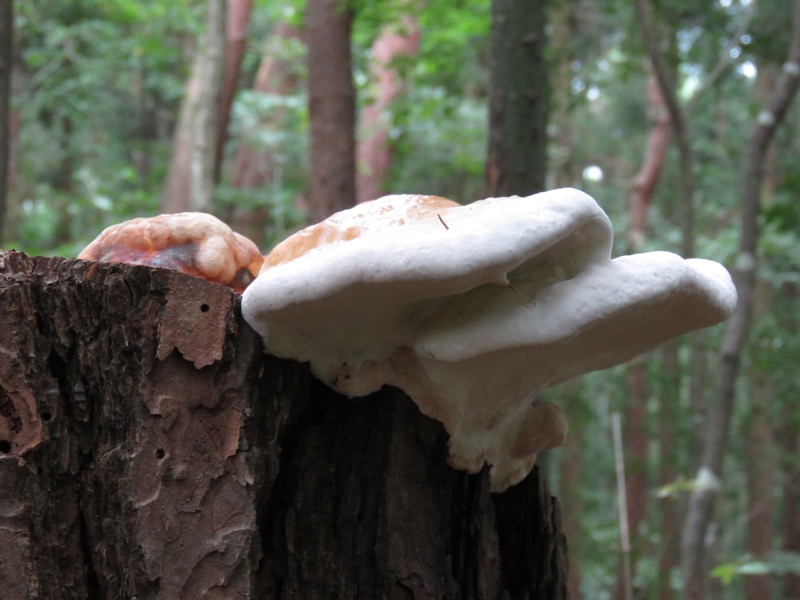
[(148, 448)]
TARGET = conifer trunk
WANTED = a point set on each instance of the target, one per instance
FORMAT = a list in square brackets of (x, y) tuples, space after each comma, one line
[(518, 102), (149, 449)]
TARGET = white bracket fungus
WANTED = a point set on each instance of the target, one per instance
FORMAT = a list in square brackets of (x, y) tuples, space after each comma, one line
[(474, 310)]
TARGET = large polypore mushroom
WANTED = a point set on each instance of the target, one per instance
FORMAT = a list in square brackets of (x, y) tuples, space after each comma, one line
[(197, 244), (473, 310)]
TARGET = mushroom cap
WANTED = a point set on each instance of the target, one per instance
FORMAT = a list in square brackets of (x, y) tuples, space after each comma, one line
[(474, 310), (197, 244)]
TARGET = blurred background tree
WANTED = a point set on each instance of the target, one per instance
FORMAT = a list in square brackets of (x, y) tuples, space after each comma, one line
[(651, 108)]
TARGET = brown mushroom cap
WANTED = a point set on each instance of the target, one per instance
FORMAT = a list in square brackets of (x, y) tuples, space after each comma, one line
[(197, 244), (387, 213)]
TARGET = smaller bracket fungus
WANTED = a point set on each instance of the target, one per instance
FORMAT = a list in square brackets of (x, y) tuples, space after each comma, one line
[(474, 310), (197, 244)]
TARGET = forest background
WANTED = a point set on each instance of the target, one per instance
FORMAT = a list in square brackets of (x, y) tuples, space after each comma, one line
[(660, 110)]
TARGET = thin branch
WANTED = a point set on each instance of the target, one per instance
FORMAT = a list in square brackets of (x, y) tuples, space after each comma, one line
[(725, 61)]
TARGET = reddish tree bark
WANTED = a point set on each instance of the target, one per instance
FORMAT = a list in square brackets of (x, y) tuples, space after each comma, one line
[(644, 183), (637, 436), (251, 167), (256, 167), (237, 20), (148, 448), (374, 151), (331, 101)]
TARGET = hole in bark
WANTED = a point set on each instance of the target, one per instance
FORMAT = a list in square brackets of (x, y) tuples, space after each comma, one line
[(5, 446), (46, 416), (160, 453), (204, 307)]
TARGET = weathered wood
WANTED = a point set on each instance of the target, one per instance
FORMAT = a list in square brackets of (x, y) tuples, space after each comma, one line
[(150, 449)]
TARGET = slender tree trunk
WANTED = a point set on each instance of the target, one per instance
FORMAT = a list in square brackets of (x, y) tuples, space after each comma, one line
[(565, 173), (518, 102), (65, 181), (255, 167), (237, 19), (274, 77), (679, 117), (636, 439), (331, 102), (669, 409), (790, 501), (570, 467), (701, 502), (644, 183), (761, 465), (190, 179), (148, 448), (760, 472), (636, 427), (564, 169), (788, 433), (374, 152), (6, 61)]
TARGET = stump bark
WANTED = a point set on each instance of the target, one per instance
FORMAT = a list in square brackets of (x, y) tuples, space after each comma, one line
[(150, 449)]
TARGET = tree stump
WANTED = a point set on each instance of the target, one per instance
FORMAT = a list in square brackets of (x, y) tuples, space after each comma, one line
[(150, 449)]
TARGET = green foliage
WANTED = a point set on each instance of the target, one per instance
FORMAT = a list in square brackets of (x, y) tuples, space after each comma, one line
[(101, 81), (446, 160), (778, 563), (98, 82)]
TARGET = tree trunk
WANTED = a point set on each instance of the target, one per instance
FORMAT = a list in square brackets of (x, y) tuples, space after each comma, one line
[(571, 396), (701, 501), (637, 438), (760, 473), (565, 28), (150, 449), (643, 187), (644, 183), (332, 112), (518, 103), (374, 152), (190, 179), (237, 19), (669, 409), (255, 167), (790, 501), (6, 60)]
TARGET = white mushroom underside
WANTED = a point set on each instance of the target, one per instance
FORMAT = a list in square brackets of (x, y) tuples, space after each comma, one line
[(475, 311)]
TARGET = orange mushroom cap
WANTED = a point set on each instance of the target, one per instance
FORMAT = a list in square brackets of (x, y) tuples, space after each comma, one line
[(197, 244)]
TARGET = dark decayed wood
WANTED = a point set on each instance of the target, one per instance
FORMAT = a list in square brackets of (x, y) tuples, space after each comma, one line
[(149, 449)]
